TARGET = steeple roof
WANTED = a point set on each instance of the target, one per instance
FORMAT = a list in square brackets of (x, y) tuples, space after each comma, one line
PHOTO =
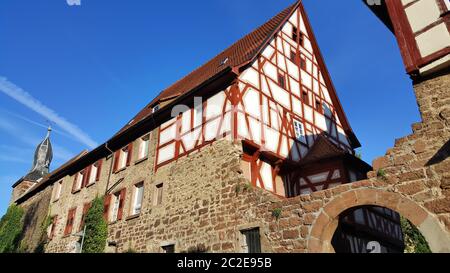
[(42, 158)]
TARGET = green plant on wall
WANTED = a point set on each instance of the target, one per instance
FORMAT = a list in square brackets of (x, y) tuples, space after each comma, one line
[(276, 213), (414, 240), (11, 226), (96, 228)]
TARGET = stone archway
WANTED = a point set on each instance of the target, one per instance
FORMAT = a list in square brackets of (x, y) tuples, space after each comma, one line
[(327, 221)]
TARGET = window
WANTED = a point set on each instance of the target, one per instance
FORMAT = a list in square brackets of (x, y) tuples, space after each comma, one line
[(168, 249), (302, 38), (93, 174), (444, 6), (319, 106), (155, 108), (137, 199), (69, 222), (251, 241), (78, 181), (57, 192), (281, 81), (295, 34), (305, 97), (299, 131), (143, 146), (117, 210), (123, 157), (293, 56), (86, 208), (157, 199), (303, 63)]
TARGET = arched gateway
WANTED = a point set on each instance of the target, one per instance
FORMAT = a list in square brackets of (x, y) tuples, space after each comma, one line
[(327, 221)]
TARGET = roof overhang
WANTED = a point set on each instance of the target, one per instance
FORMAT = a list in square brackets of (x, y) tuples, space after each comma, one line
[(379, 8)]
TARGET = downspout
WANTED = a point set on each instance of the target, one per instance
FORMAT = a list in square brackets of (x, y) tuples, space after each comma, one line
[(110, 167)]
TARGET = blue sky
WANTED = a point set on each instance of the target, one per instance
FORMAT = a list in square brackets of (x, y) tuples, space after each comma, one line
[(92, 67)]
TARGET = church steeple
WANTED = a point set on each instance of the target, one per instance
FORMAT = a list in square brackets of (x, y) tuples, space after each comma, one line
[(42, 159)]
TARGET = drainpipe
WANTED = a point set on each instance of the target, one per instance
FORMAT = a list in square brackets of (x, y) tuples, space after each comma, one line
[(110, 167)]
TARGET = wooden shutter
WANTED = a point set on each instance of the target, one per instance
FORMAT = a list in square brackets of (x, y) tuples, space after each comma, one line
[(86, 174), (106, 206), (83, 216), (54, 223), (116, 160), (130, 153), (69, 223), (121, 204), (74, 182), (99, 169)]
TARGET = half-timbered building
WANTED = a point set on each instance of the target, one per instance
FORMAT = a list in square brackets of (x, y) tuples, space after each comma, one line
[(262, 116)]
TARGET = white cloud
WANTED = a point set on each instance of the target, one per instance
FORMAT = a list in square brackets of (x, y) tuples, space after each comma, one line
[(29, 101)]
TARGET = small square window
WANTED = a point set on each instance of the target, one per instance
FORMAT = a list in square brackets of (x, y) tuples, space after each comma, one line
[(158, 195), (295, 34), (303, 63), (319, 106), (305, 97), (293, 56), (282, 81), (168, 249), (299, 131)]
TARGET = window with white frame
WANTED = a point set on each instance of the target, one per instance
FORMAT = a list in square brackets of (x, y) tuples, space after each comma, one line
[(137, 199), (79, 180), (58, 189), (115, 207), (299, 131), (156, 108), (93, 174), (123, 158), (143, 146)]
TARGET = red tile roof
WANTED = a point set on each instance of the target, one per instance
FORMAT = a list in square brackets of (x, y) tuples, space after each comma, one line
[(240, 53)]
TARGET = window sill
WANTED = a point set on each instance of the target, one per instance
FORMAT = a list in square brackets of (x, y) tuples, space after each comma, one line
[(140, 160), (56, 200), (90, 185), (120, 170), (131, 217), (76, 191)]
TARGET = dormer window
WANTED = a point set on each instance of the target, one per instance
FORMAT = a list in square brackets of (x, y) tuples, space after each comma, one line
[(155, 108)]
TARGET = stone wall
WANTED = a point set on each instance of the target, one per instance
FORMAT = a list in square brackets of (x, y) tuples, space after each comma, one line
[(419, 164), (207, 201), (36, 211)]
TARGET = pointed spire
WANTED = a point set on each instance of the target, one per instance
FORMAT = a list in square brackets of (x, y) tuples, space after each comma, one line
[(42, 159)]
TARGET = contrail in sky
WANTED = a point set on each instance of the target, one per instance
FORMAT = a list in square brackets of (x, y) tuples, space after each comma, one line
[(29, 101)]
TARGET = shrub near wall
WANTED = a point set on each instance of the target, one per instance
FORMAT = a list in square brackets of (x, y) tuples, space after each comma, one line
[(11, 226), (96, 228)]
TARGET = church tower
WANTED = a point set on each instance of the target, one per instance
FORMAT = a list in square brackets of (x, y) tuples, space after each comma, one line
[(41, 164)]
